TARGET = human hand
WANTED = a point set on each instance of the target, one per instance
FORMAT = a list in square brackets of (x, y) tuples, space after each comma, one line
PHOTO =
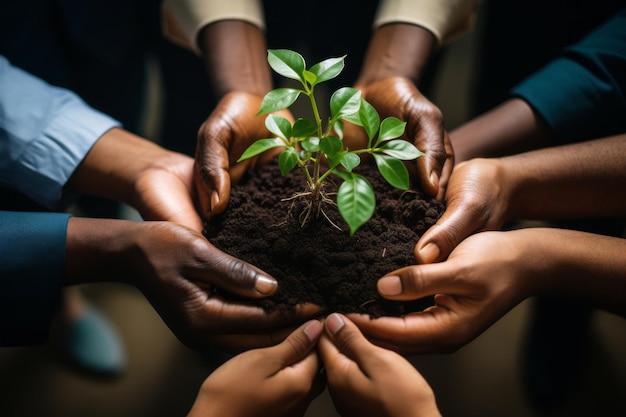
[(398, 97), (223, 137), (281, 380), (485, 276), (366, 380), (155, 181), (177, 270), (477, 199)]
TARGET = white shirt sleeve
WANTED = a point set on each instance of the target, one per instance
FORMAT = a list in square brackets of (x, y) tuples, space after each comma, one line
[(183, 19), (45, 133), (446, 19)]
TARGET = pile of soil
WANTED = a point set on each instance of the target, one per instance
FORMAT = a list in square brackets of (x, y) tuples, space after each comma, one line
[(317, 263)]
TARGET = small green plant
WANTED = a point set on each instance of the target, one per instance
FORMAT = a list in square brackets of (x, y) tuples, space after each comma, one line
[(307, 143)]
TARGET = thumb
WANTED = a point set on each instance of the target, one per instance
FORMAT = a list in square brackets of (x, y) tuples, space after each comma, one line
[(347, 338), (440, 240), (298, 344), (234, 275)]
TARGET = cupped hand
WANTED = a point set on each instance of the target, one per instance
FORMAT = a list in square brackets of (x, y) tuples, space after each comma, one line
[(281, 380), (223, 137), (485, 276), (367, 380), (398, 97), (166, 192), (477, 200), (182, 275)]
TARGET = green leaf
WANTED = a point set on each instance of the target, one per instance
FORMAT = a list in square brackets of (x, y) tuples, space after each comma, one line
[(261, 146), (330, 145), (278, 99), (370, 120), (287, 160), (338, 128), (287, 63), (350, 161), (279, 126), (393, 170), (356, 201), (401, 149), (309, 77), (311, 144), (390, 128), (352, 118), (328, 69), (344, 101), (303, 128)]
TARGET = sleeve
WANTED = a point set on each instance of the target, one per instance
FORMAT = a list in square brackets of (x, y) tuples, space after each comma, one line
[(582, 94), (183, 19), (45, 132), (446, 19), (32, 266)]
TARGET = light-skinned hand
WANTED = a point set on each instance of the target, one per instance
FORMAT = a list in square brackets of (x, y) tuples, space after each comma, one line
[(279, 381), (366, 380)]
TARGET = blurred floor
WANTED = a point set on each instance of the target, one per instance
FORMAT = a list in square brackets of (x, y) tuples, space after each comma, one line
[(481, 379)]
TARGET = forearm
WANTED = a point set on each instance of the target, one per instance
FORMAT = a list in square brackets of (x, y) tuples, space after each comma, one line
[(235, 57), (510, 128), (113, 165), (397, 50), (581, 265), (579, 180)]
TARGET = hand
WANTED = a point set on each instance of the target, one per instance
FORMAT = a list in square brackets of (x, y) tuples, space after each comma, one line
[(223, 137), (398, 97), (484, 277), (366, 380), (157, 182), (177, 270), (277, 381), (477, 200)]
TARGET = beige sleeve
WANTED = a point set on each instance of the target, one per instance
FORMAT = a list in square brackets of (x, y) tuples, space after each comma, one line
[(446, 19), (183, 19)]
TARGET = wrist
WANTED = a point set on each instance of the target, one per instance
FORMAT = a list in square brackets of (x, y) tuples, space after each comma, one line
[(397, 50), (113, 166), (235, 57), (95, 248)]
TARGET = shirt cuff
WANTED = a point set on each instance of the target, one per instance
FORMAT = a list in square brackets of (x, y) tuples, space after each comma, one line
[(183, 19), (445, 19), (50, 159), (31, 274)]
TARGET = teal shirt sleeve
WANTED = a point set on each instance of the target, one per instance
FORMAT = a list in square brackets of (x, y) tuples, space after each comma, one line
[(45, 133), (32, 267), (582, 94)]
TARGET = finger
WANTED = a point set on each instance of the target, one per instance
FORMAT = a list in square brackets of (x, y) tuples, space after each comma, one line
[(212, 167), (419, 281), (440, 240), (296, 347), (430, 138), (234, 275), (438, 329), (346, 336)]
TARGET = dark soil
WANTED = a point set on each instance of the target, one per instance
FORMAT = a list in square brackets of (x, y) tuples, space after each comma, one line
[(318, 263)]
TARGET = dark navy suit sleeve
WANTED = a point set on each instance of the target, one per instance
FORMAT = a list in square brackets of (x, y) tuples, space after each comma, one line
[(582, 94), (32, 263)]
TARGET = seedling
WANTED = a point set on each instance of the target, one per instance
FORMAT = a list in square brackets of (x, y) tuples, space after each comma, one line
[(308, 143)]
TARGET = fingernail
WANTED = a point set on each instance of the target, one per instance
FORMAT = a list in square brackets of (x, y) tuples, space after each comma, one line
[(430, 253), (313, 330), (215, 199), (265, 285), (390, 285), (334, 322)]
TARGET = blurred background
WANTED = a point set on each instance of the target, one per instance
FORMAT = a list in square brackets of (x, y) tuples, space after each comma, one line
[(484, 378)]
